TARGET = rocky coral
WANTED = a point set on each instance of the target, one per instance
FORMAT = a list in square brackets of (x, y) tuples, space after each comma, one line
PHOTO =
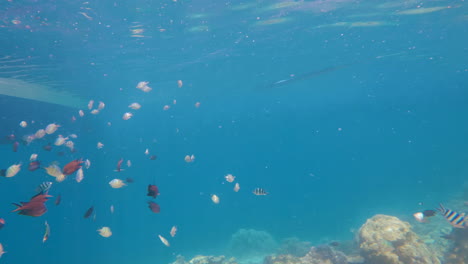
[(458, 254), (293, 246), (199, 259), (316, 255), (388, 240), (247, 243)]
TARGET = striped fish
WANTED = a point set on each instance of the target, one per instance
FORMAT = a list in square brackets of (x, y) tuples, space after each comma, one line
[(455, 219), (43, 187), (259, 191)]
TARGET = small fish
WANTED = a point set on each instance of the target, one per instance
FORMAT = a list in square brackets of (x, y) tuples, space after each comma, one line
[(58, 199), (236, 187), (164, 241), (117, 183), (429, 213), (119, 165), (88, 212), (15, 146), (129, 163), (23, 124), (173, 231), (79, 175), (135, 106), (105, 231), (215, 198), (259, 191), (87, 163), (47, 147), (127, 116), (419, 217), (147, 152), (43, 187), (455, 219), (130, 180), (51, 128), (34, 165), (13, 170), (90, 104), (81, 113), (153, 191), (153, 157), (47, 232), (99, 145), (2, 223), (33, 157), (1, 250), (230, 178), (101, 105), (154, 207), (112, 209)]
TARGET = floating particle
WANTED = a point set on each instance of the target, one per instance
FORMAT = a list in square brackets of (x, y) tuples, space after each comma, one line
[(127, 116), (112, 208), (197, 104), (23, 124), (135, 106), (230, 178), (129, 163), (215, 198), (105, 231)]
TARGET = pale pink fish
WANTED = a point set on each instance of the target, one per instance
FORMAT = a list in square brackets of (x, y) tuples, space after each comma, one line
[(146, 89), (117, 183), (70, 144), (236, 187), (127, 116), (60, 140), (173, 231), (79, 175), (1, 250), (215, 198), (105, 231), (101, 105), (180, 83), (33, 157), (129, 163), (135, 106), (81, 113), (164, 241), (99, 145), (197, 104), (166, 107), (147, 152), (174, 101), (51, 128), (23, 124), (90, 104), (73, 136), (95, 112), (40, 133), (141, 85)]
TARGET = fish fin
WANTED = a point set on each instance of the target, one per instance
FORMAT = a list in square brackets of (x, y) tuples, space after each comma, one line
[(441, 208), (17, 205)]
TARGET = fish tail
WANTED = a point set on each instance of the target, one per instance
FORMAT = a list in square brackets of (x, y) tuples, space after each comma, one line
[(441, 208), (17, 205)]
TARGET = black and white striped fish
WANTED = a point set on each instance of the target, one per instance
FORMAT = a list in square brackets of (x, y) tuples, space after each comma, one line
[(43, 187), (259, 191), (455, 219)]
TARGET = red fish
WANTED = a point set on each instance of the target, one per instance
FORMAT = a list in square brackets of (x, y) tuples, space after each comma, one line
[(154, 207), (35, 207), (15, 146), (2, 223), (153, 191), (34, 165), (72, 166), (119, 165), (58, 199)]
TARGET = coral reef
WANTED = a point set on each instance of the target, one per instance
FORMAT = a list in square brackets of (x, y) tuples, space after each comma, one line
[(388, 240), (458, 254), (293, 246), (199, 259), (246, 243), (317, 255)]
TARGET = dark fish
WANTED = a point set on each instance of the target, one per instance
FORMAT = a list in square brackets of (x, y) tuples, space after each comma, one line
[(153, 191), (89, 212), (429, 213), (455, 219), (334, 244), (58, 199), (43, 188), (15, 146), (153, 157), (2, 223), (130, 180), (119, 165), (35, 207), (47, 147), (259, 191), (3, 172), (154, 207), (61, 153), (34, 165)]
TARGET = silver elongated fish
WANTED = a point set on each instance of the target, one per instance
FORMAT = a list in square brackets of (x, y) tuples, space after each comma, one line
[(43, 187), (259, 191), (455, 219)]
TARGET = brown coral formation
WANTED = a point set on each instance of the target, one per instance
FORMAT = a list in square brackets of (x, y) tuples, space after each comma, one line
[(316, 255), (388, 240), (199, 259), (459, 252)]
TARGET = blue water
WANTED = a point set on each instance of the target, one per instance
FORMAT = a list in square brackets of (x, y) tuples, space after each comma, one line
[(383, 130)]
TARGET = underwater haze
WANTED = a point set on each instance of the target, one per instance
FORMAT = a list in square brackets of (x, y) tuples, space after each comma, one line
[(324, 113)]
